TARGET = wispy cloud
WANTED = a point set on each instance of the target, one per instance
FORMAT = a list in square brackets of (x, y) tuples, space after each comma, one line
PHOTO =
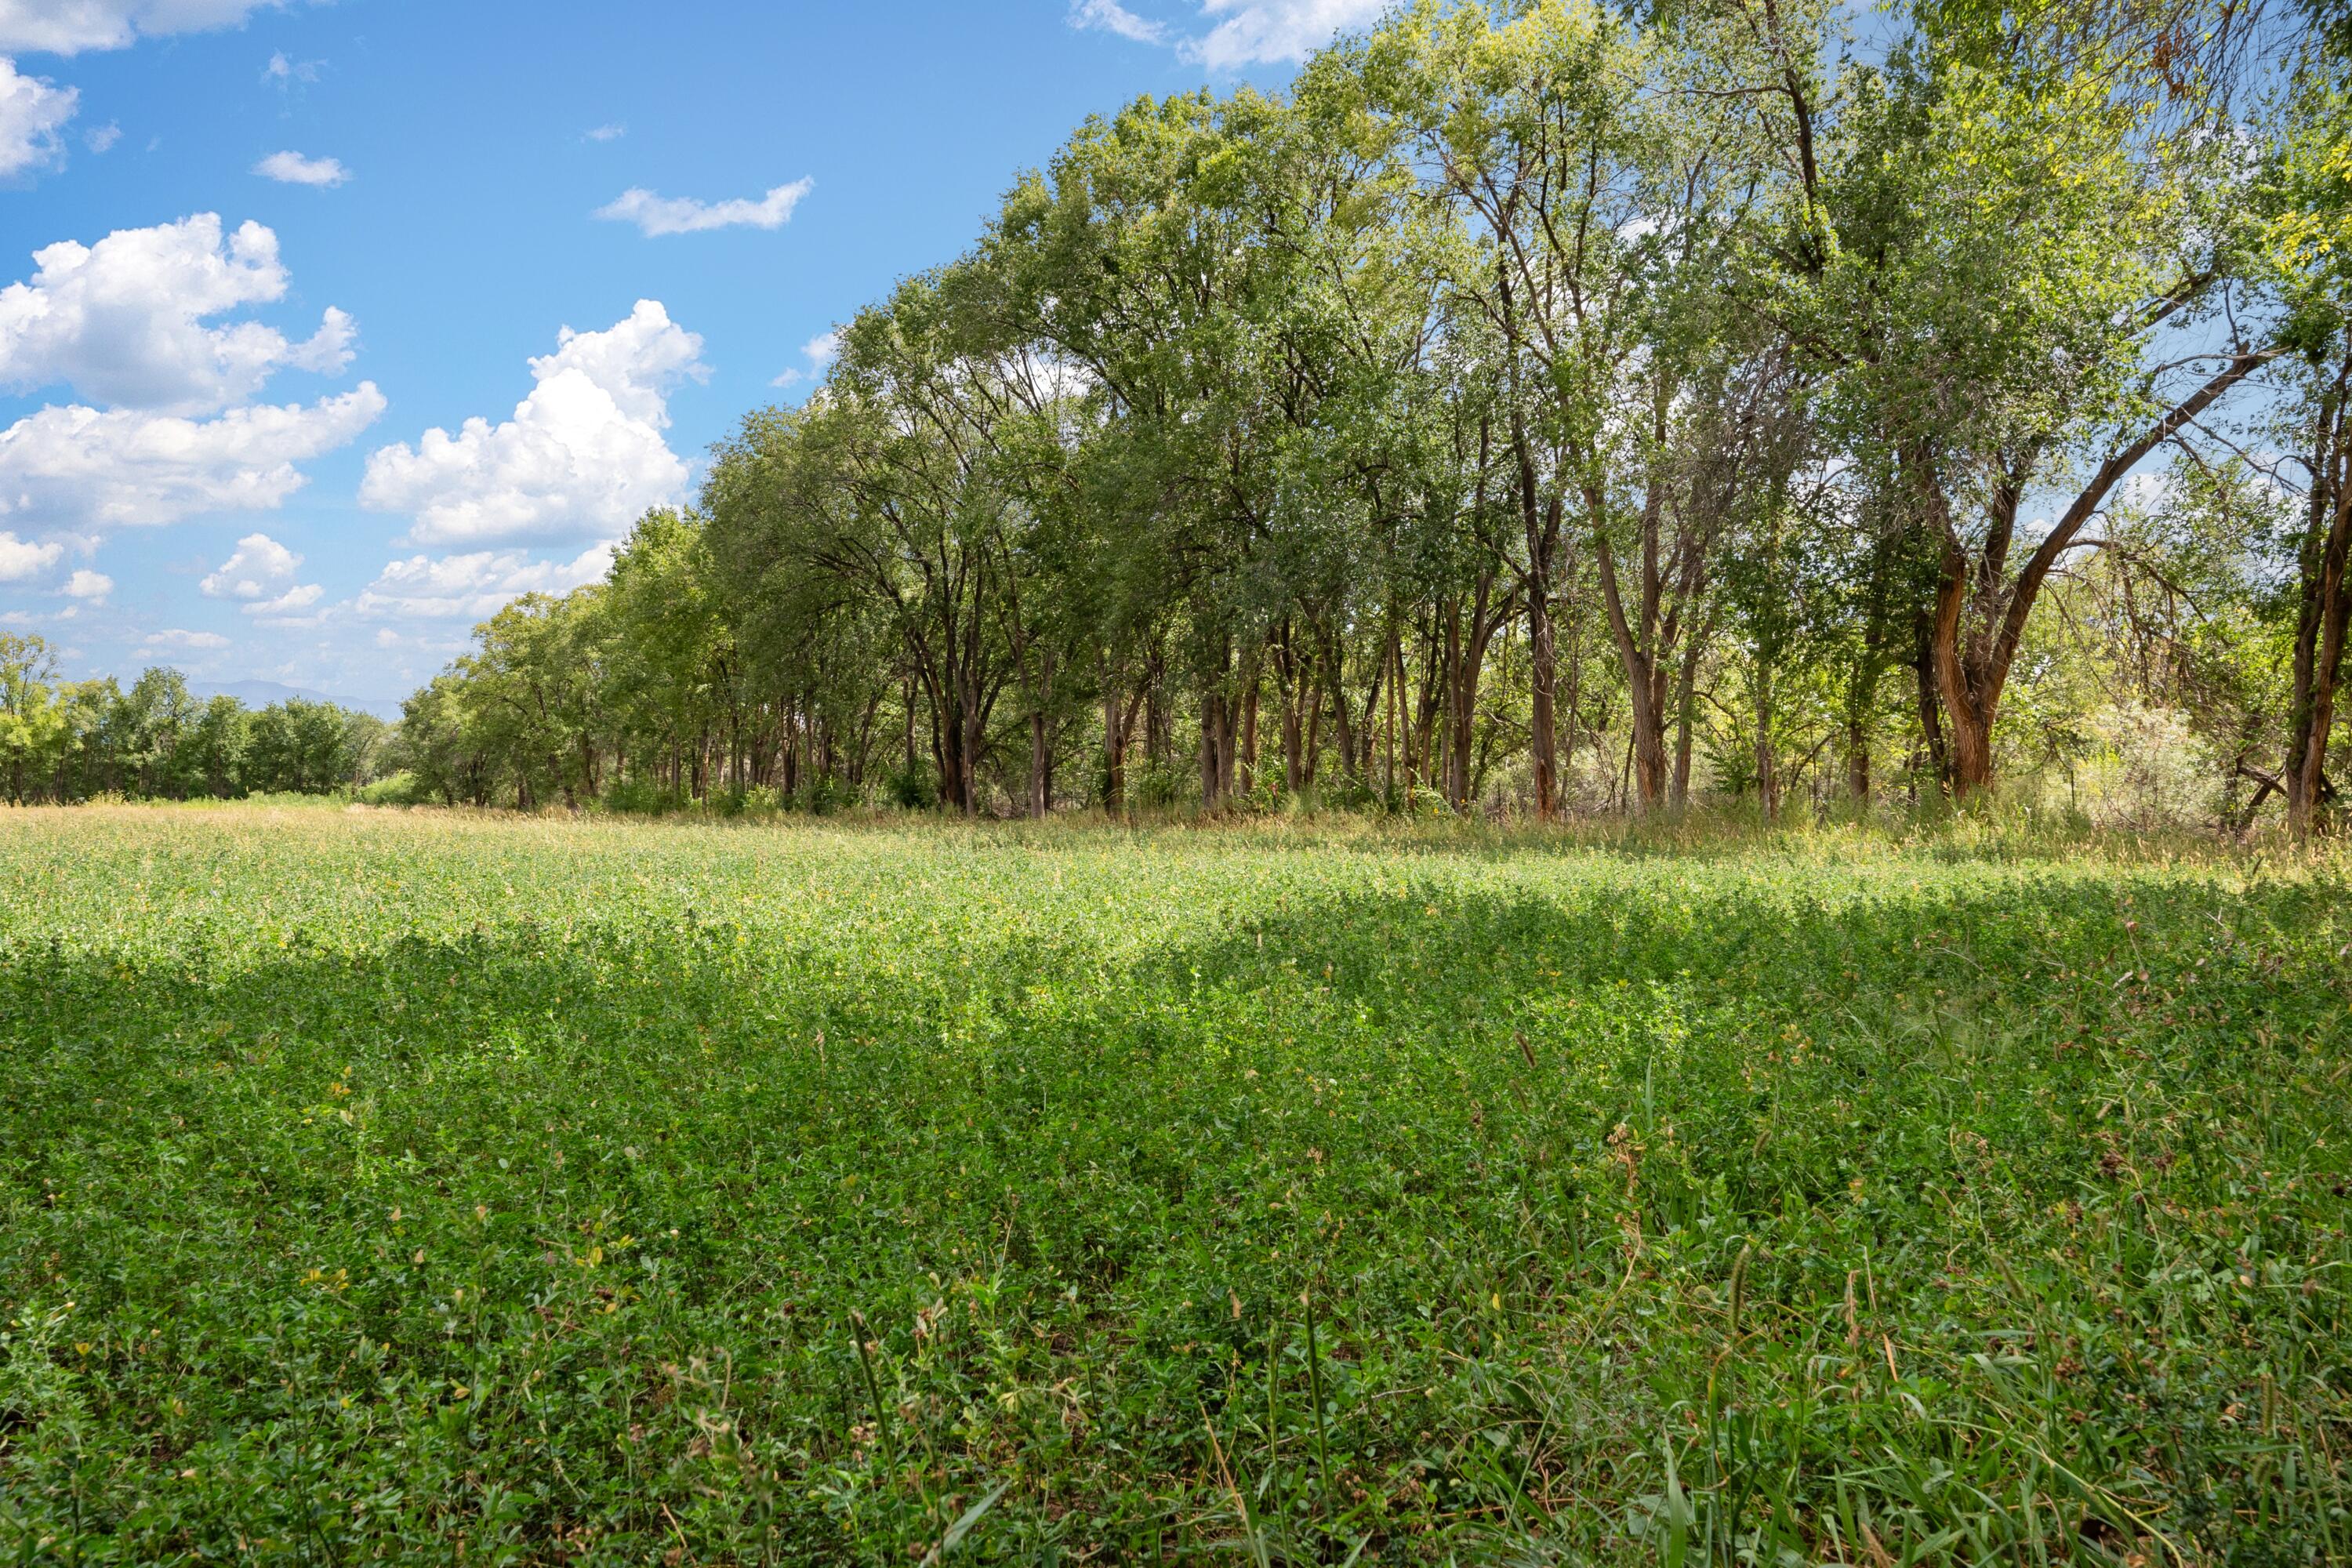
[(657, 215), (293, 168), (820, 352), (1240, 32), (1270, 32), (70, 27), (612, 133), (179, 639), (285, 71), (1110, 17)]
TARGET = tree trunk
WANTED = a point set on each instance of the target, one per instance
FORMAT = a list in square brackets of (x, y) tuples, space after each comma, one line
[(1335, 687), (1466, 658), (975, 741), (1861, 696), (1686, 698), (1216, 746), (1644, 688), (1541, 524), (1248, 775), (2324, 607), (1928, 710), (1211, 700), (1114, 726), (1041, 742), (1968, 689), (1041, 766)]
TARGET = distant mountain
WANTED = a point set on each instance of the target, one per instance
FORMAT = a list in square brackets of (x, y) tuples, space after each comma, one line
[(263, 693)]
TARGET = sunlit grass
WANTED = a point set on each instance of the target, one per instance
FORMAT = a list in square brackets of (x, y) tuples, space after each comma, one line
[(380, 1184)]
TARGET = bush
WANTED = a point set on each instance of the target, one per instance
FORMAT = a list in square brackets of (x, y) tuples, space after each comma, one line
[(641, 797), (403, 788), (1161, 785), (822, 795), (915, 788)]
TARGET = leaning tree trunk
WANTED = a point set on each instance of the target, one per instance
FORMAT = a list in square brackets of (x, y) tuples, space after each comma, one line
[(1981, 614)]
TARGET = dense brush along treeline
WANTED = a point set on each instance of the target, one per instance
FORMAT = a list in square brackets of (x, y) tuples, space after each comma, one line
[(1544, 408), (404, 1187)]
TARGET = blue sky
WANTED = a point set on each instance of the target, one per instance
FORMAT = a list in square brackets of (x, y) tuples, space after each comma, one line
[(284, 392)]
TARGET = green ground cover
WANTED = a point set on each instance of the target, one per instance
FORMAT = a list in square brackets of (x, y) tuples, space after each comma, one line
[(379, 1186)]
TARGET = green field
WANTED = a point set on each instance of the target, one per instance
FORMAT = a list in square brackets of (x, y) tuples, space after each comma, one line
[(387, 1186)]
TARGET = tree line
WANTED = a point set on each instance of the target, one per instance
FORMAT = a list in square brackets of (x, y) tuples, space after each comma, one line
[(67, 742), (1551, 406)]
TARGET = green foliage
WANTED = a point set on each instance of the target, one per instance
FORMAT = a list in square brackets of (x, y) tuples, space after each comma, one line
[(1558, 407), (403, 1187), (92, 740), (913, 788), (394, 789)]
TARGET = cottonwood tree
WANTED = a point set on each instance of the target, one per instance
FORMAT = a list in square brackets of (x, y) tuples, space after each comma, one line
[(2020, 276)]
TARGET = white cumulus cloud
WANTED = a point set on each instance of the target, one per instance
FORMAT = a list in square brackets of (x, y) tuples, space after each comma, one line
[(293, 168), (93, 587), (123, 321), (475, 585), (126, 322), (79, 466), (21, 558), (257, 563), (70, 27), (660, 215), (582, 457), (612, 133), (32, 111)]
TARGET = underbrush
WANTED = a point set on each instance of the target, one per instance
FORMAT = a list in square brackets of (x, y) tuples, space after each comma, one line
[(419, 1186)]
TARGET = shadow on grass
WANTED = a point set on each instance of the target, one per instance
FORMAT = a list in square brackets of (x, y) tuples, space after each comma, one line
[(1871, 1209)]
